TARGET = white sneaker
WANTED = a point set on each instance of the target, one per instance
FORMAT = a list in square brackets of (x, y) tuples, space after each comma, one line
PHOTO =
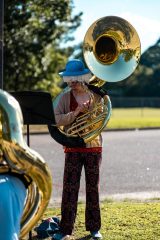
[(96, 234)]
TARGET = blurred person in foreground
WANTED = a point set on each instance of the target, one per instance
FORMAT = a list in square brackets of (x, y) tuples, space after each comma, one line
[(13, 190), (13, 194)]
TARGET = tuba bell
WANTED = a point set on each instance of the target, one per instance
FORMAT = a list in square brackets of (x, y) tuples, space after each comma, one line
[(17, 157), (111, 50)]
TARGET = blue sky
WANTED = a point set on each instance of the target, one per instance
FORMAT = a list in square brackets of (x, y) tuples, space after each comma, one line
[(144, 15)]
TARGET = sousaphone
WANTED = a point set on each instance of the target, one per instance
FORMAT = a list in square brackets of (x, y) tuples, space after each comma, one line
[(112, 52)]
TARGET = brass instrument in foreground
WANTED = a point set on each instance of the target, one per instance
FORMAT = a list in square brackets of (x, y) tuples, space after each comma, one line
[(111, 51), (17, 157)]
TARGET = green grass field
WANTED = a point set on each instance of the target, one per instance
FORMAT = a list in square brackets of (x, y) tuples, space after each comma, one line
[(128, 220), (134, 118), (123, 118)]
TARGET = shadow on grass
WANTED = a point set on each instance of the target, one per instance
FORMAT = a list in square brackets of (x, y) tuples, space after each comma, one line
[(88, 237)]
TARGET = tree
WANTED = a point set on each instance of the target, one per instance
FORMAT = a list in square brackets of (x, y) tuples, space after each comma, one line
[(33, 33), (151, 57)]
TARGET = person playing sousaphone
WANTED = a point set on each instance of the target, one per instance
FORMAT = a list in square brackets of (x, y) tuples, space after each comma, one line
[(74, 103)]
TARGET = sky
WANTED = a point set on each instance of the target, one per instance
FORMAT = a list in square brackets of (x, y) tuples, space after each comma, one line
[(143, 15)]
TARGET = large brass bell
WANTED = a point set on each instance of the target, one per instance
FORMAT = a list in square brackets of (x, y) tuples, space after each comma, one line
[(111, 48)]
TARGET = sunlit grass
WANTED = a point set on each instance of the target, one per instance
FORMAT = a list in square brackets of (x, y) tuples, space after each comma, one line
[(134, 118), (120, 220), (122, 118)]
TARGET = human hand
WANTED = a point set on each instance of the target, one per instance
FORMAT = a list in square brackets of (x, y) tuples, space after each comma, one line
[(81, 108)]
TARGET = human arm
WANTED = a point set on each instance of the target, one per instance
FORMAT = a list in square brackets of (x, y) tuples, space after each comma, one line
[(63, 115)]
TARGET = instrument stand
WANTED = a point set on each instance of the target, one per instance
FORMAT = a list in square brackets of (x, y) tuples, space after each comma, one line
[(37, 109), (28, 138)]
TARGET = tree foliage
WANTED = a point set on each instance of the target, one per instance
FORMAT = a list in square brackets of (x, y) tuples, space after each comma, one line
[(145, 82), (34, 31)]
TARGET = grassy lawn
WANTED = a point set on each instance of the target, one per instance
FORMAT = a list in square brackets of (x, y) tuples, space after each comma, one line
[(128, 220), (134, 118), (122, 118)]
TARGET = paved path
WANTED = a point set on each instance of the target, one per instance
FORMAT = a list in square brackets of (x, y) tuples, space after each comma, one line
[(130, 166)]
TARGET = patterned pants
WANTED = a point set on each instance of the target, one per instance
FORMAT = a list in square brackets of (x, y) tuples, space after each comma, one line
[(72, 174)]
